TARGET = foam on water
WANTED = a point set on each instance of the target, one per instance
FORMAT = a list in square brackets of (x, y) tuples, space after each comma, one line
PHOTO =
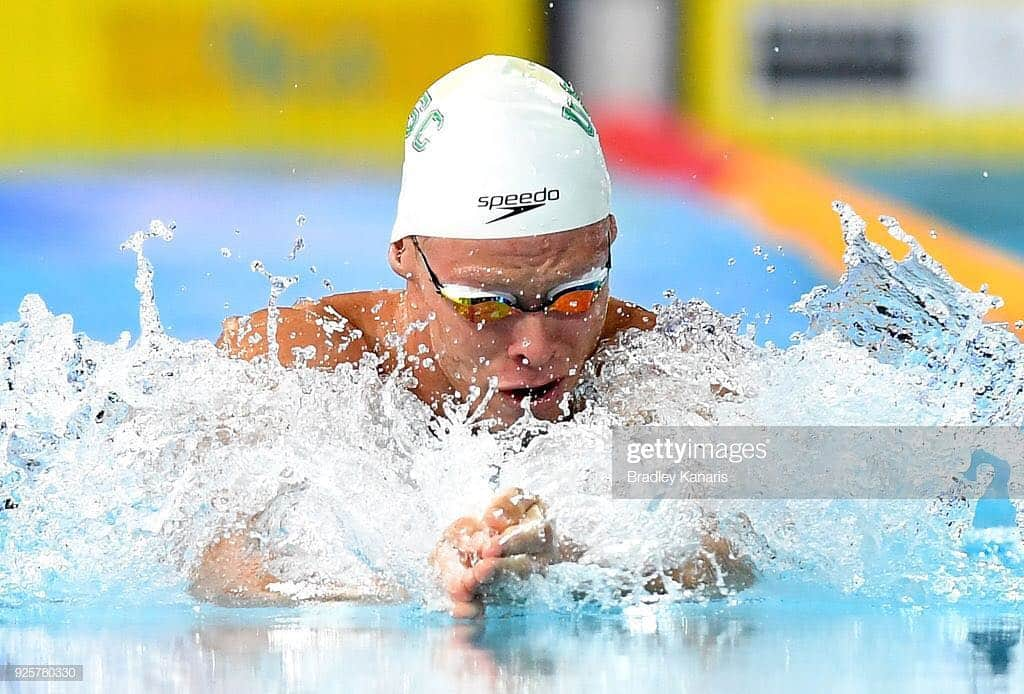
[(121, 462)]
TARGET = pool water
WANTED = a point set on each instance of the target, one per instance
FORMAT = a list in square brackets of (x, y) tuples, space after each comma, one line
[(765, 647), (126, 457)]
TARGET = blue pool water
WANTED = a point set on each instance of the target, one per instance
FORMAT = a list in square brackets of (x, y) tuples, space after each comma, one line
[(118, 493), (769, 647)]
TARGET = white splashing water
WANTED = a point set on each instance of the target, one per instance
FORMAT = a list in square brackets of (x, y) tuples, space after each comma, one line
[(123, 461)]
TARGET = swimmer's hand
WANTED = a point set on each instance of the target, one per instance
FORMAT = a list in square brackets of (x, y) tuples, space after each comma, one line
[(716, 569), (513, 536)]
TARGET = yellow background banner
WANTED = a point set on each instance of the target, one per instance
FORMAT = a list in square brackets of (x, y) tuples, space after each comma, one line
[(335, 77)]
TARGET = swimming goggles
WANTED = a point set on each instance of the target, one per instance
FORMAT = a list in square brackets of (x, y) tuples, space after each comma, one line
[(572, 298)]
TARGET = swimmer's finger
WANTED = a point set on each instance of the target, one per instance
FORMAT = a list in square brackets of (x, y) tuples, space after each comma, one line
[(467, 610), (457, 584), (461, 530), (483, 571), (503, 511), (509, 508), (462, 584), (534, 537), (457, 591), (520, 566), (489, 547), (448, 562)]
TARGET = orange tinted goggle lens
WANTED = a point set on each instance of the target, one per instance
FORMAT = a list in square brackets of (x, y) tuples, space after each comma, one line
[(578, 301)]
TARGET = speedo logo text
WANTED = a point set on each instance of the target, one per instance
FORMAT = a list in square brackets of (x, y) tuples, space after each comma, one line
[(517, 203)]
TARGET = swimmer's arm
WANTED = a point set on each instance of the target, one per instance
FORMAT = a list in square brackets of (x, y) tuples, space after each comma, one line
[(231, 572), (317, 325)]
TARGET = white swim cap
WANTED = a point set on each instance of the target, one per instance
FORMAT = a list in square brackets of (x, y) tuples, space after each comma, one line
[(500, 148)]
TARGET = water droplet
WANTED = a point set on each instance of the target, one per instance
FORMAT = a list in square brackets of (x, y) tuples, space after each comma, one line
[(297, 246), (984, 288), (257, 266), (730, 262), (770, 268), (933, 234), (1019, 325), (757, 250), (312, 269), (984, 174), (300, 220), (775, 48), (238, 232), (226, 252), (158, 229)]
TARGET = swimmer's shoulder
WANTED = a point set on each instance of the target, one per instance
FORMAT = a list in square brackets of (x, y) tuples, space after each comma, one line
[(367, 310), (623, 315), (333, 330)]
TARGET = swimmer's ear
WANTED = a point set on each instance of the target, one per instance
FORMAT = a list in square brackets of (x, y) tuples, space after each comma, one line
[(613, 228), (399, 257)]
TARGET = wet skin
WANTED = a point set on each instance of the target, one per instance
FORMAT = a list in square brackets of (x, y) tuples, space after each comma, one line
[(542, 352), (524, 350)]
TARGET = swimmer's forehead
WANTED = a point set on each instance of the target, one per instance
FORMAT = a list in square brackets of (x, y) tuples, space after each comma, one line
[(535, 260)]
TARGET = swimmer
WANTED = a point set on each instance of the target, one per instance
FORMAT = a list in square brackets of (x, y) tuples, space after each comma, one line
[(503, 236)]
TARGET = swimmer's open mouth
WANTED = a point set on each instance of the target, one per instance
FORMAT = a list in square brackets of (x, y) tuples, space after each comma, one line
[(534, 393)]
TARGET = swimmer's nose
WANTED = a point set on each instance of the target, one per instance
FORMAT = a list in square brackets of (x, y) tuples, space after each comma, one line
[(530, 344)]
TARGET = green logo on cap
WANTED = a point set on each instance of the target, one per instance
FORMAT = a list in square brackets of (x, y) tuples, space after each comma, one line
[(415, 123), (574, 110)]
